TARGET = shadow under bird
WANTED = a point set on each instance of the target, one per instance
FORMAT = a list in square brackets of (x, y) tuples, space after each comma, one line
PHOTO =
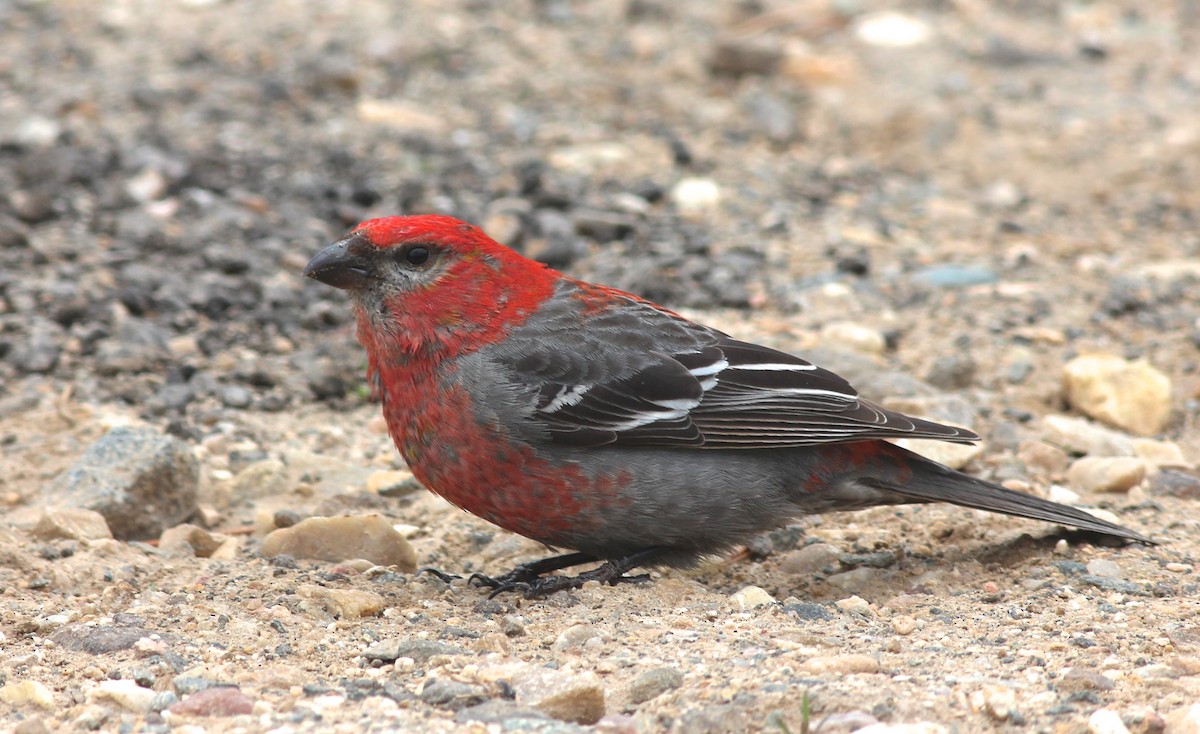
[(590, 419)]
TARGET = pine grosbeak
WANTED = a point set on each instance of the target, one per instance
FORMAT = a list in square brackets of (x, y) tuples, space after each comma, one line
[(588, 418)]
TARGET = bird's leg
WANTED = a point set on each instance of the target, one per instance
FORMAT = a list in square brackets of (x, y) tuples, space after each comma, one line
[(610, 572)]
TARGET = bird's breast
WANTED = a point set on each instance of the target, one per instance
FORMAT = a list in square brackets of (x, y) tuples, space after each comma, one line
[(461, 452)]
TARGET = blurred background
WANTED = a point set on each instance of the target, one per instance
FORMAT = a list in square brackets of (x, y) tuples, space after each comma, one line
[(166, 169)]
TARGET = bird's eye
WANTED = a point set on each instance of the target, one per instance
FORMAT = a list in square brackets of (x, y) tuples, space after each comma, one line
[(418, 255)]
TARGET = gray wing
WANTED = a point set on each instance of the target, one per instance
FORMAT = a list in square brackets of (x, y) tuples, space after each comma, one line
[(641, 376)]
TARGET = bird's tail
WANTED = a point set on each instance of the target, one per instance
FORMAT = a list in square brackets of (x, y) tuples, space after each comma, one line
[(922, 480)]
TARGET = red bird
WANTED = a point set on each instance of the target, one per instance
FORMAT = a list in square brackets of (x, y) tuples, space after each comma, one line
[(588, 418)]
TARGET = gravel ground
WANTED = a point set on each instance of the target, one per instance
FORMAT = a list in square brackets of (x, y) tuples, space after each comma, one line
[(947, 202)]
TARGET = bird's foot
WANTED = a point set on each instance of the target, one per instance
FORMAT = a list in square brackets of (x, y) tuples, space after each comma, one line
[(529, 581), (539, 587)]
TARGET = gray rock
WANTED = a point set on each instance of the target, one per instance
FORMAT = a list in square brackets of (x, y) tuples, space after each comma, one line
[(952, 371), (141, 481), (39, 352), (812, 559), (98, 640), (389, 651), (954, 276), (744, 57), (171, 398), (653, 683), (138, 346), (453, 695), (235, 396), (1171, 483), (496, 712), (602, 225), (185, 685), (774, 116)]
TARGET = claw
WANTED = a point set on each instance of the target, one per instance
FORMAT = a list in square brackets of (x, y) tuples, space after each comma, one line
[(445, 577), (527, 578)]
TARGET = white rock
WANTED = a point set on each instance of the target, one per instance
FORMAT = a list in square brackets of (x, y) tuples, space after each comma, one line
[(855, 605), (1106, 473), (854, 336), (892, 30), (1062, 495), (953, 455), (752, 597), (1134, 395), (125, 693), (587, 157), (695, 196), (1106, 721), (998, 701), (1080, 436), (1160, 454), (1104, 567)]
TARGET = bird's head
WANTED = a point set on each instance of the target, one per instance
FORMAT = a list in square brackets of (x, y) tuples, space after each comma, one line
[(431, 282)]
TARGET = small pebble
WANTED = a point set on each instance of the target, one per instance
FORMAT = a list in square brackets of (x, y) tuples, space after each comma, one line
[(856, 579), (1043, 458), (855, 605), (27, 693), (125, 693), (1083, 679), (1062, 495), (215, 701), (695, 196), (891, 29), (344, 603), (1106, 474), (343, 538), (1160, 454), (998, 701), (904, 624), (841, 664), (70, 523), (953, 455), (812, 559), (739, 56), (954, 276), (1080, 436), (653, 683), (575, 637), (1105, 568), (953, 371), (260, 479), (853, 336), (575, 697), (751, 597)]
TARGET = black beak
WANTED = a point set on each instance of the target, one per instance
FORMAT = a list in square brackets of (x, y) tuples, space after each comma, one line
[(341, 265)]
